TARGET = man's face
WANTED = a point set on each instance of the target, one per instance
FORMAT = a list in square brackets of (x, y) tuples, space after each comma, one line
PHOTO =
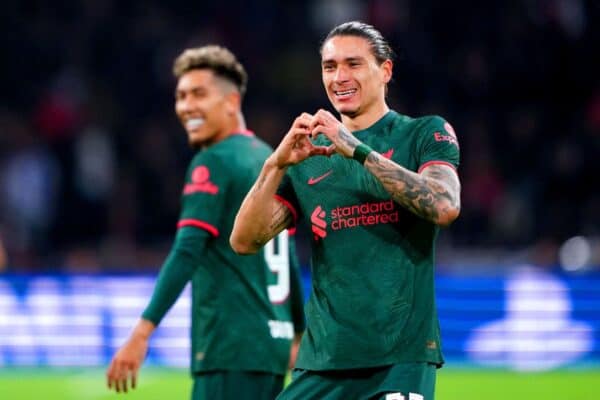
[(352, 77), (203, 106)]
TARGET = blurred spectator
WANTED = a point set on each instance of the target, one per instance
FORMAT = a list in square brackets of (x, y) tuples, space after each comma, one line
[(90, 155), (29, 183)]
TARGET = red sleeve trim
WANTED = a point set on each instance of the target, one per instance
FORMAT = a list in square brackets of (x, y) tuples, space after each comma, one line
[(199, 224), (245, 132), (434, 162), (289, 206)]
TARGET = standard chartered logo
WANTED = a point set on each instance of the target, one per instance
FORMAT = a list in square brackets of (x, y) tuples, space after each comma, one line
[(345, 217), (317, 219)]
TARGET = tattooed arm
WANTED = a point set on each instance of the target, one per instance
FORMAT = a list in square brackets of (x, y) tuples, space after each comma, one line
[(261, 217), (434, 194)]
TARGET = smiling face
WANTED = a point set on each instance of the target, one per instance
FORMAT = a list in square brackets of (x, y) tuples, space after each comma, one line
[(206, 105), (354, 81)]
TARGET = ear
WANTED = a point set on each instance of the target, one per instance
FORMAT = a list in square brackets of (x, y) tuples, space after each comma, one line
[(386, 68)]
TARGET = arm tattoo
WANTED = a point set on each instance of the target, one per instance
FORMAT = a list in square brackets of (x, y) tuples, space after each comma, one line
[(346, 137), (259, 184), (282, 218), (430, 195)]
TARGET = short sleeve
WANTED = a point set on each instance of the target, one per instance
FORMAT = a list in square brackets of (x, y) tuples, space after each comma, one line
[(438, 144), (287, 195), (204, 193)]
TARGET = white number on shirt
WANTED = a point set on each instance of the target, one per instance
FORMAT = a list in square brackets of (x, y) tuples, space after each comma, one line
[(277, 255)]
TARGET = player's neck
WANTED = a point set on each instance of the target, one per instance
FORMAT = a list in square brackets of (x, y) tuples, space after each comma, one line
[(240, 124), (234, 126), (365, 119)]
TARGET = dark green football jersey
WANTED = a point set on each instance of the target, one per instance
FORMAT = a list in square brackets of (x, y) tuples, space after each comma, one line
[(372, 301), (245, 309)]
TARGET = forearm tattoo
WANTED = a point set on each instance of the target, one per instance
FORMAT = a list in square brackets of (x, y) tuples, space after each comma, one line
[(430, 195), (259, 184), (347, 138), (282, 218)]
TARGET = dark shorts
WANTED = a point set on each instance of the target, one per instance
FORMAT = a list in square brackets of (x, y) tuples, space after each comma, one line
[(238, 385), (414, 381)]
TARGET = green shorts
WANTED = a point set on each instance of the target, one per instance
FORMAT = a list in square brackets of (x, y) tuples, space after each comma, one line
[(238, 385), (414, 381)]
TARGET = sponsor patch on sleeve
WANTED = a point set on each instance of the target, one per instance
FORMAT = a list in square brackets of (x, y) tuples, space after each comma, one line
[(447, 135)]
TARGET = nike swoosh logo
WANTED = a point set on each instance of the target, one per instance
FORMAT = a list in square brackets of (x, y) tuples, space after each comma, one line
[(388, 154), (312, 181)]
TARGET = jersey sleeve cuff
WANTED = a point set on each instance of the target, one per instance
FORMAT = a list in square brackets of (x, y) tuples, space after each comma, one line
[(436, 162), (196, 223), (290, 207)]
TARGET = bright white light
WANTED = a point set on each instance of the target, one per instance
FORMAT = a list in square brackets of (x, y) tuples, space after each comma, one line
[(537, 331), (575, 253)]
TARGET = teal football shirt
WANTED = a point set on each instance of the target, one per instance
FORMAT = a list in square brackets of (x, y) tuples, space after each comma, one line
[(372, 301), (245, 309)]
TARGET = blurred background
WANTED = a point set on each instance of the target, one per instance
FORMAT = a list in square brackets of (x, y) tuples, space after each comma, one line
[(92, 161)]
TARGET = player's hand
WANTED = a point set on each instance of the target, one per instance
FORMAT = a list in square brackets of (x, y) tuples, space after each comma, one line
[(296, 146), (124, 367), (325, 123)]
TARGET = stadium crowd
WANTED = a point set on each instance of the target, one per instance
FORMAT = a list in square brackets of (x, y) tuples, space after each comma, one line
[(91, 156)]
